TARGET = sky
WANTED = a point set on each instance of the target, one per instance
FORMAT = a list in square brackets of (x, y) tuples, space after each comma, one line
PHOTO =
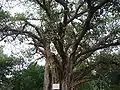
[(15, 47), (12, 7)]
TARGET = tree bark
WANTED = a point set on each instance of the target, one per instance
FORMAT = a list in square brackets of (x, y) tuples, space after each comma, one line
[(47, 78), (53, 75)]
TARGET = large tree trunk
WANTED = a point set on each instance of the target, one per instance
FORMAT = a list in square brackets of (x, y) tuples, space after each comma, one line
[(53, 75), (49, 79)]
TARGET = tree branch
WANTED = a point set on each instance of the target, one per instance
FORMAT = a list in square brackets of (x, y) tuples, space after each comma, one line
[(62, 2), (66, 10), (79, 74), (76, 15), (81, 59), (97, 47), (102, 2), (36, 28), (86, 26), (14, 31), (59, 47), (76, 83), (44, 7)]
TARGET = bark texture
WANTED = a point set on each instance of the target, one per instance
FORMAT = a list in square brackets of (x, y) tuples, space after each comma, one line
[(49, 80), (54, 74)]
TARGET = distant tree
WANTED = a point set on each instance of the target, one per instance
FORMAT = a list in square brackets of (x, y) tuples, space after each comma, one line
[(31, 78), (15, 77), (107, 75), (69, 33), (7, 65)]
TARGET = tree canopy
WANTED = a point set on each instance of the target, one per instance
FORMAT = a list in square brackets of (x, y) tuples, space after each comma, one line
[(67, 35)]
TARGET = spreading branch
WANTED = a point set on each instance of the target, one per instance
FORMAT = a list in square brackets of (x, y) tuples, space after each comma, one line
[(97, 47), (79, 74), (81, 59), (14, 31), (76, 15), (59, 47), (86, 26), (36, 28)]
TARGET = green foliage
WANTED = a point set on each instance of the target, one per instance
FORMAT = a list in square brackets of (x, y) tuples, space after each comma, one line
[(107, 73), (14, 78), (4, 14), (19, 16), (29, 79), (6, 69), (4, 17)]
